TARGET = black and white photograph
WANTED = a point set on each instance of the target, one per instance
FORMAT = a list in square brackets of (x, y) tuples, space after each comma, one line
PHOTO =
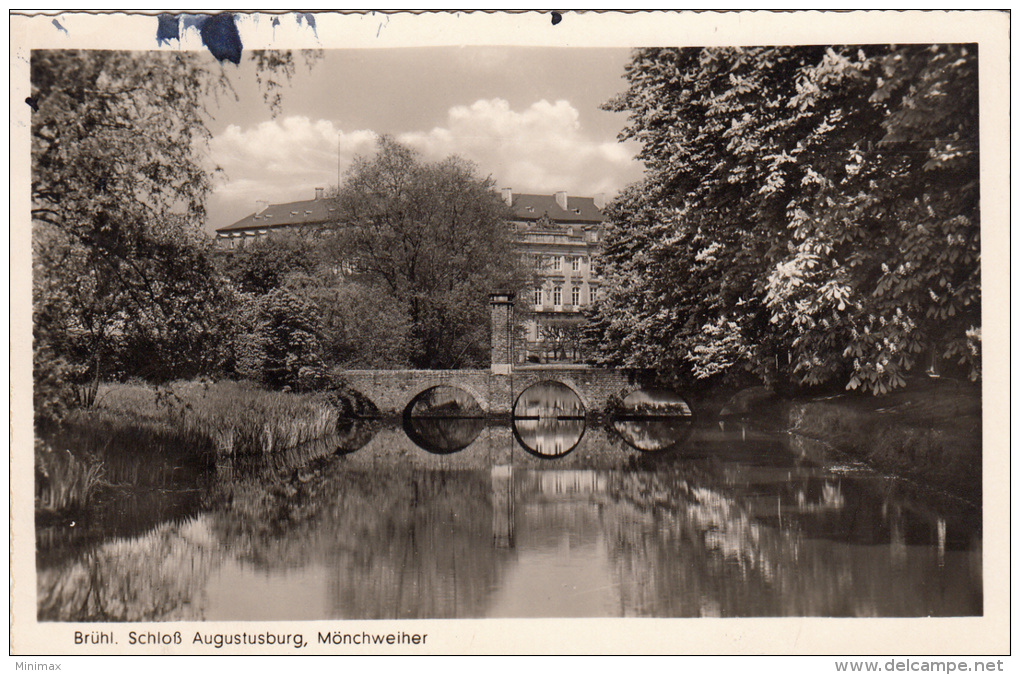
[(335, 325)]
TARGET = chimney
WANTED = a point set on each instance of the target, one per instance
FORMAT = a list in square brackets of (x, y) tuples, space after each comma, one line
[(561, 199), (260, 206), (319, 192), (508, 196), (600, 201)]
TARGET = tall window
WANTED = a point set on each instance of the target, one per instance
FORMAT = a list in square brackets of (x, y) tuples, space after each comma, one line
[(557, 296), (557, 263), (538, 296), (575, 264), (575, 295)]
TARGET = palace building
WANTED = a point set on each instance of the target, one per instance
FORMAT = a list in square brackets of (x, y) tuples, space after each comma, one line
[(558, 234), (275, 218)]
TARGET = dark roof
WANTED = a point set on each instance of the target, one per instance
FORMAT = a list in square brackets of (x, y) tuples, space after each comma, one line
[(295, 213), (579, 209), (525, 207)]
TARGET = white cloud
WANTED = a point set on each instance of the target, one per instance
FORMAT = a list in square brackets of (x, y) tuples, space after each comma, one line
[(282, 160), (540, 149)]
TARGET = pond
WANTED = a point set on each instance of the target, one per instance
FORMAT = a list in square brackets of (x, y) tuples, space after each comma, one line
[(553, 516)]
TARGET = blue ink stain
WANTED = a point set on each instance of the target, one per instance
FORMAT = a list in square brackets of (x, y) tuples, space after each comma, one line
[(168, 29), (219, 31), (193, 21), (219, 34), (59, 27), (556, 18), (310, 19)]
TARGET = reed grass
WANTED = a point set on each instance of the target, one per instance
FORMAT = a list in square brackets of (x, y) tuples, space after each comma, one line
[(63, 481), (147, 437), (234, 417)]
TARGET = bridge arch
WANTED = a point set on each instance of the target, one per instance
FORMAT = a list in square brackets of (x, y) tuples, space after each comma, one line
[(480, 400), (392, 391), (524, 381)]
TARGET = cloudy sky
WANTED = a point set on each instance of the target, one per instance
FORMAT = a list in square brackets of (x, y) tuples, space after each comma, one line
[(528, 117)]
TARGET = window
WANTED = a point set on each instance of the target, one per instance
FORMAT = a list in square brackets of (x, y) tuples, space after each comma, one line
[(575, 295), (557, 296), (538, 262), (557, 263), (575, 264), (538, 296)]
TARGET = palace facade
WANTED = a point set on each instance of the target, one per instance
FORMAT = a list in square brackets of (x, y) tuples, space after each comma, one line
[(560, 236)]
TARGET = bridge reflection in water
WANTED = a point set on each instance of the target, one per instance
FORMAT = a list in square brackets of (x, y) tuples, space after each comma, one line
[(719, 522), (548, 419)]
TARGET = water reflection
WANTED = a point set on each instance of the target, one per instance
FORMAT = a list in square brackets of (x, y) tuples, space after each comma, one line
[(655, 402), (653, 420), (443, 435), (443, 420), (549, 437), (548, 419), (653, 435), (734, 526)]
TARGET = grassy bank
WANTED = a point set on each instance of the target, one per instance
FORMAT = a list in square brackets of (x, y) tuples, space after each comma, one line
[(144, 436), (929, 432), (237, 417)]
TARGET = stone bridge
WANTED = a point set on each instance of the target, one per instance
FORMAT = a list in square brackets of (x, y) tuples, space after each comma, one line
[(391, 391), (497, 388)]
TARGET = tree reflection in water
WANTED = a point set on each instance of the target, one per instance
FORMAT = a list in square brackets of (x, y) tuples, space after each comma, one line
[(442, 435), (654, 435), (443, 420), (653, 420), (732, 528)]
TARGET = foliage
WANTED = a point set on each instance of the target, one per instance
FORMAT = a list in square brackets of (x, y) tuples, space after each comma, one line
[(808, 214), (356, 330), (262, 266), (280, 347), (157, 317), (63, 481), (122, 275), (230, 418), (432, 239)]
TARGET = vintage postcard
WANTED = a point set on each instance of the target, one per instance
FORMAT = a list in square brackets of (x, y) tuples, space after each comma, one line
[(510, 333)]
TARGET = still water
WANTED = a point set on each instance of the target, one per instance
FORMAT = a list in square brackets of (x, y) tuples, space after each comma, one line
[(457, 518)]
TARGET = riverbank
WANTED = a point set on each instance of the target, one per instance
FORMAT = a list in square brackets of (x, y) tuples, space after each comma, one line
[(929, 432), (176, 429)]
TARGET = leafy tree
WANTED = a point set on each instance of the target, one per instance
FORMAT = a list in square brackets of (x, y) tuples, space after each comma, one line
[(95, 320), (433, 239), (280, 347), (808, 214), (263, 265), (356, 329), (119, 181)]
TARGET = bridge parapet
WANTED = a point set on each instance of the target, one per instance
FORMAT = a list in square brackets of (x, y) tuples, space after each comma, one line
[(393, 390)]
